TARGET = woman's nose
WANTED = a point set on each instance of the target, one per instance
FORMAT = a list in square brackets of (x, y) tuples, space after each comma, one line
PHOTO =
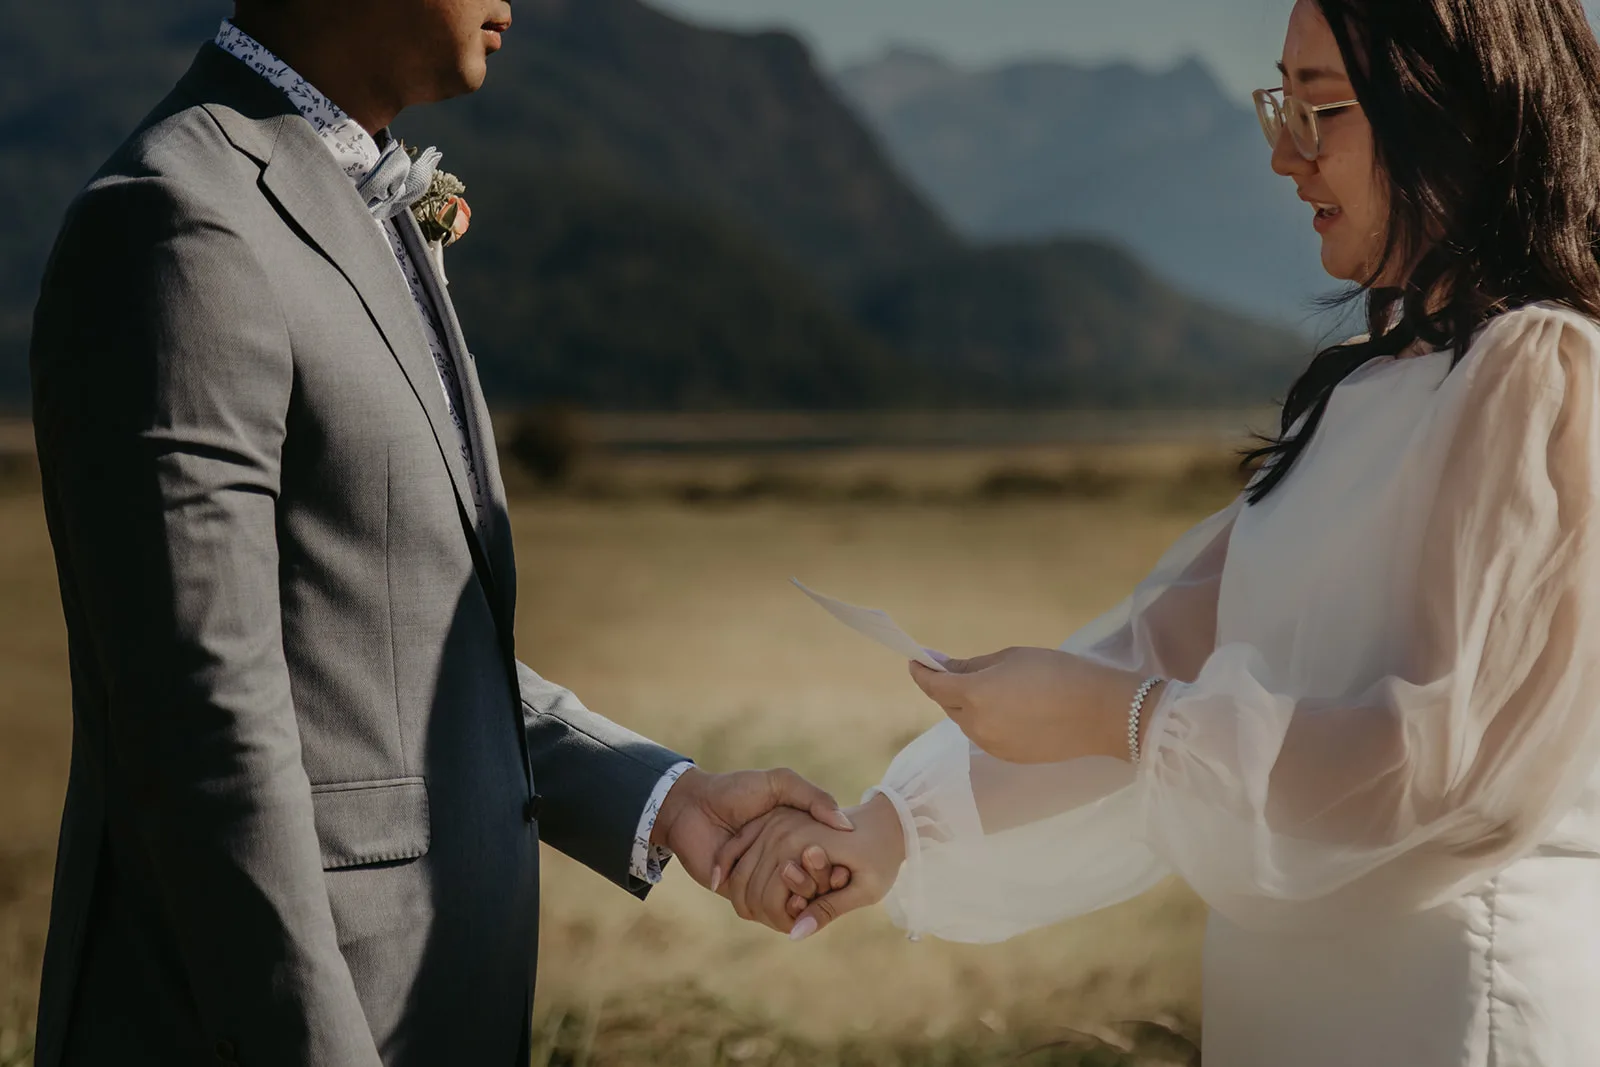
[(1287, 160)]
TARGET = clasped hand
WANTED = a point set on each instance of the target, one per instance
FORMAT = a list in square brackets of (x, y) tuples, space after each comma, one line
[(747, 834), (797, 873), (785, 867)]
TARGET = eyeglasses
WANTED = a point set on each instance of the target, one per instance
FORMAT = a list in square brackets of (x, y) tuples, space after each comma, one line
[(1299, 116)]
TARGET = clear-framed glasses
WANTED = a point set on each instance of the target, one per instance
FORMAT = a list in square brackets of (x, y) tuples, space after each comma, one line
[(1277, 110)]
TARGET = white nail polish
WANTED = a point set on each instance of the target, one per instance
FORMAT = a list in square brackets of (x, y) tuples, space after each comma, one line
[(803, 929)]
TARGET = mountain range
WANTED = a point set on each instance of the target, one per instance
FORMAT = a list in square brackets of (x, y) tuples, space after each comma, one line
[(1164, 163), (668, 216)]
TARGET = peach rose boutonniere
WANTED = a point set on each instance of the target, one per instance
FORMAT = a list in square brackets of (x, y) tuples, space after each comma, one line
[(443, 215)]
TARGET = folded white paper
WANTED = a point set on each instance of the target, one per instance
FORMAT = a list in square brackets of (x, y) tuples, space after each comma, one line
[(876, 625)]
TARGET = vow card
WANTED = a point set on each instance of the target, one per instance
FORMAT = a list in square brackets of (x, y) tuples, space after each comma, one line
[(874, 624)]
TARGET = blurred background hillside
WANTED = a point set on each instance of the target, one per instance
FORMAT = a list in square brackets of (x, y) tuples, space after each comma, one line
[(672, 216), (961, 308)]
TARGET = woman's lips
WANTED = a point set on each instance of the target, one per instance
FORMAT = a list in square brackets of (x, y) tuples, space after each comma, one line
[(1327, 217)]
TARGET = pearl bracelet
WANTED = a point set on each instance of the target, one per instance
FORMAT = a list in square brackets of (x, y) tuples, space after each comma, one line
[(1133, 717)]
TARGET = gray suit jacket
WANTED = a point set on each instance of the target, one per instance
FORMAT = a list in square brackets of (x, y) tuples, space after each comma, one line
[(301, 825)]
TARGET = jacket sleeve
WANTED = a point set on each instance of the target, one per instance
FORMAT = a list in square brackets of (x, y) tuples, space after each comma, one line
[(162, 382), (594, 779)]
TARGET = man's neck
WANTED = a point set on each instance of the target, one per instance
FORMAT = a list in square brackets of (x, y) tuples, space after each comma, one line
[(325, 62)]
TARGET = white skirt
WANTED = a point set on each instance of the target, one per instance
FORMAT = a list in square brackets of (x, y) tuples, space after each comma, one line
[(1508, 976)]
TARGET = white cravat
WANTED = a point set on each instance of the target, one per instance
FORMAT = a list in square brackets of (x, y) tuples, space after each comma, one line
[(357, 152)]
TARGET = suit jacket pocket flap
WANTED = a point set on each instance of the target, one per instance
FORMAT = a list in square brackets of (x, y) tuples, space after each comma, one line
[(371, 822)]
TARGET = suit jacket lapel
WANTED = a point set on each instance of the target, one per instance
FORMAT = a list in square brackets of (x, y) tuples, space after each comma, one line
[(476, 413), (305, 182), (322, 200)]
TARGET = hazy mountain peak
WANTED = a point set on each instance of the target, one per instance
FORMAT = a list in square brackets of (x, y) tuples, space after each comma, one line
[(900, 73), (1194, 72), (1163, 161), (912, 55)]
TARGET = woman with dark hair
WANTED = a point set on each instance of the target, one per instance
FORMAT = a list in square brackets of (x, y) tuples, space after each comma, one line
[(1358, 711)]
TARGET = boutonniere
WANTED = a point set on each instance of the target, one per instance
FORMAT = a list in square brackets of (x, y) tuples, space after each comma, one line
[(443, 214)]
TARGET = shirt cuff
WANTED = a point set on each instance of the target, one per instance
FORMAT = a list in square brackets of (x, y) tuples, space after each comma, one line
[(649, 860)]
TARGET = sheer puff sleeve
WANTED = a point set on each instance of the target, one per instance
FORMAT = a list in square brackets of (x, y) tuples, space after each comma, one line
[(994, 849), (1285, 808), (1287, 805)]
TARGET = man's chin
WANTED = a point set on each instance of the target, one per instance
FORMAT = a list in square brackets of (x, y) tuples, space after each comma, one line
[(475, 74), (468, 78)]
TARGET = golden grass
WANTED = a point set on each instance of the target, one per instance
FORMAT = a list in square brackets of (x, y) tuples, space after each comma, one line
[(678, 621)]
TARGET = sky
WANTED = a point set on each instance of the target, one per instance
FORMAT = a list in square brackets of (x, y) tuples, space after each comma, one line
[(1239, 39)]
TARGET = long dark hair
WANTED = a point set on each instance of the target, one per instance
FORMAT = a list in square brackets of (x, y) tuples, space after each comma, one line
[(1485, 122)]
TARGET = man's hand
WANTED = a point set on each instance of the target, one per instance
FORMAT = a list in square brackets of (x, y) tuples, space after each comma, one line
[(703, 812)]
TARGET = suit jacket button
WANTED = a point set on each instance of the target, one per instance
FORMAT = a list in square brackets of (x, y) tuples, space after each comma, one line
[(530, 810), (224, 1051)]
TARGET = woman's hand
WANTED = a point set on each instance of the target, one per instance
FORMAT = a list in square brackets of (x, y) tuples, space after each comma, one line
[(782, 860), (1036, 705)]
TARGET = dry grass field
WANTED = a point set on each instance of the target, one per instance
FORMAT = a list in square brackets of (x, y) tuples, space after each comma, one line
[(660, 593)]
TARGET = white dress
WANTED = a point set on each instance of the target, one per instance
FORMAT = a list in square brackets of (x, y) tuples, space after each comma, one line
[(1380, 767)]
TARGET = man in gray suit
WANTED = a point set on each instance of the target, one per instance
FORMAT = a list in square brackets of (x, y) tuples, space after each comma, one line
[(309, 775)]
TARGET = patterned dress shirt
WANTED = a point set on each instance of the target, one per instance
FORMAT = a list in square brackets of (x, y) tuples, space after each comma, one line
[(357, 151)]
